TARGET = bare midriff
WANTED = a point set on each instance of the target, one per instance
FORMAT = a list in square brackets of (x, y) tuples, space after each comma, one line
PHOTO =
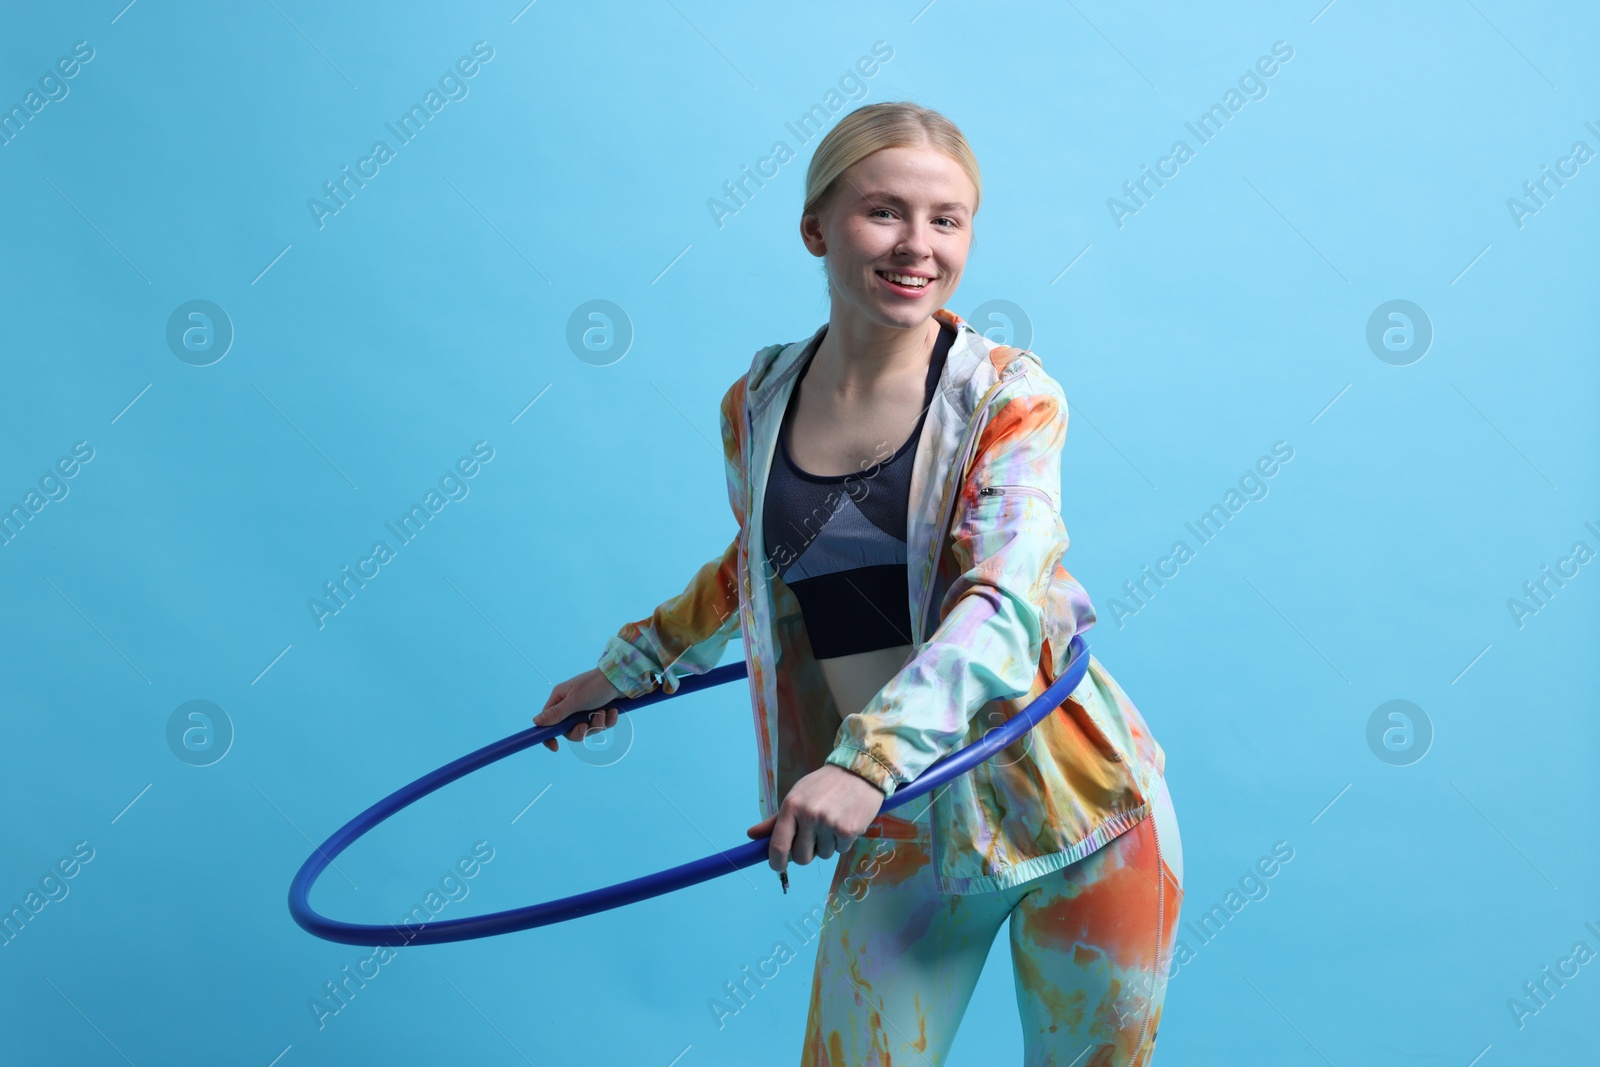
[(855, 679)]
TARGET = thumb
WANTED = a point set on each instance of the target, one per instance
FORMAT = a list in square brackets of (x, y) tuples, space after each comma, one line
[(553, 712), (762, 828)]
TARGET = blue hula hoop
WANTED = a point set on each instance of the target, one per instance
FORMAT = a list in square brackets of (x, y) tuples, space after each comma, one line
[(637, 889)]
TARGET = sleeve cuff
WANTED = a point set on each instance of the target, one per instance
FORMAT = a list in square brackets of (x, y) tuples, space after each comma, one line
[(863, 763), (628, 669)]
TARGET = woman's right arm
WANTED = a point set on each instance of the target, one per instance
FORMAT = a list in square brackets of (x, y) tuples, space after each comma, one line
[(686, 634)]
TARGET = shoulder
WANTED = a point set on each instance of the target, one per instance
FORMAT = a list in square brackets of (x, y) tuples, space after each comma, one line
[(1008, 375), (1018, 409), (736, 398), (1024, 378), (760, 364)]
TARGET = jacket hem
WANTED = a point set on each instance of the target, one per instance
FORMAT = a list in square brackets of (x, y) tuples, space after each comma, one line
[(1026, 870)]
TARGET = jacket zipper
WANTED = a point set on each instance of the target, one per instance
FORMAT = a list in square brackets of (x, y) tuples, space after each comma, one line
[(753, 648), (1000, 490)]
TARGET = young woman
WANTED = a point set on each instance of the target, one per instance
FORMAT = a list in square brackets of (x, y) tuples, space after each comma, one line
[(897, 582)]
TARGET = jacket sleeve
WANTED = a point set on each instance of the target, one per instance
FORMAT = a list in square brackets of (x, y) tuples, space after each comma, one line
[(684, 635), (688, 633), (987, 645)]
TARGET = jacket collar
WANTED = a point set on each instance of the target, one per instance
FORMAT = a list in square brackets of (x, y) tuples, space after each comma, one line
[(973, 364)]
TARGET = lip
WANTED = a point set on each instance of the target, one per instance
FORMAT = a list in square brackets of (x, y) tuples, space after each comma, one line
[(905, 290)]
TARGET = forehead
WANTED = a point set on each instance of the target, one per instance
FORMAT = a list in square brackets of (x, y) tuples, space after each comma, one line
[(918, 174)]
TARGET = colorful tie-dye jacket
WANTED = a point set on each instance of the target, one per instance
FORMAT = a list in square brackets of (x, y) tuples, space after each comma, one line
[(992, 608)]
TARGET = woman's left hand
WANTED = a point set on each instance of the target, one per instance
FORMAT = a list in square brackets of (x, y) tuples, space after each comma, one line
[(825, 812)]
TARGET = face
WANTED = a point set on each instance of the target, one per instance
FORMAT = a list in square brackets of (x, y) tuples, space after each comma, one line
[(895, 233)]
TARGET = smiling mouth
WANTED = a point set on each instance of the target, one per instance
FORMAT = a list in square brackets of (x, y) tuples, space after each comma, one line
[(904, 281)]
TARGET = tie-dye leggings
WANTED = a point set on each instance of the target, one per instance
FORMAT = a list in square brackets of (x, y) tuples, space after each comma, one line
[(1091, 945)]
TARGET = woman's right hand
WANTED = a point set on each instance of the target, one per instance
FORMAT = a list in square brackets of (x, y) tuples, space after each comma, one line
[(591, 689)]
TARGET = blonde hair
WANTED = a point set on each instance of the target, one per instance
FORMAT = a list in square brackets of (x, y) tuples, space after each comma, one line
[(893, 124)]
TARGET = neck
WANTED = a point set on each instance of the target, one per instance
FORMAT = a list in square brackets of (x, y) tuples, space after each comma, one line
[(857, 356)]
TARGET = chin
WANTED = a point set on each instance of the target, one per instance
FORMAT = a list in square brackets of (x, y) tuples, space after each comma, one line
[(908, 318), (902, 314)]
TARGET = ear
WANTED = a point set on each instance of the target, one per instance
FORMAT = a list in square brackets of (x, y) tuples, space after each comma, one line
[(811, 235)]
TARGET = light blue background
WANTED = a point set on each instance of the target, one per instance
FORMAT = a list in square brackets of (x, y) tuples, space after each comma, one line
[(1228, 314)]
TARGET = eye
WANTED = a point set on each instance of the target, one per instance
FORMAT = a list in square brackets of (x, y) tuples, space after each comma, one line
[(884, 210)]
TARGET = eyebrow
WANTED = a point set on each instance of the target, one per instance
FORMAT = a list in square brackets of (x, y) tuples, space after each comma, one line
[(948, 205)]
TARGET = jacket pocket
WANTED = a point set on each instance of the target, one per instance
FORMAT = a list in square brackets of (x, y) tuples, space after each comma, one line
[(1075, 711), (1080, 715)]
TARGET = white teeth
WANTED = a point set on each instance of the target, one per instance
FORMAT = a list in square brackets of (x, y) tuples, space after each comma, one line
[(905, 279)]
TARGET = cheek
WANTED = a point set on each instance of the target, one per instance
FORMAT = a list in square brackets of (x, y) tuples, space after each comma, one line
[(863, 242), (954, 257)]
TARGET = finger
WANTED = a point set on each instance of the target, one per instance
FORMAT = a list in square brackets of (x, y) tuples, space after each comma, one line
[(551, 712), (762, 828), (805, 840), (826, 843), (548, 715), (783, 831), (611, 716), (551, 744), (577, 732)]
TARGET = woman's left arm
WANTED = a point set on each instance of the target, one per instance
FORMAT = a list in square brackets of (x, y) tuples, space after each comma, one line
[(991, 634)]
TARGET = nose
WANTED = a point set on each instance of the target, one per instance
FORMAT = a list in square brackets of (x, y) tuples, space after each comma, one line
[(914, 239)]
